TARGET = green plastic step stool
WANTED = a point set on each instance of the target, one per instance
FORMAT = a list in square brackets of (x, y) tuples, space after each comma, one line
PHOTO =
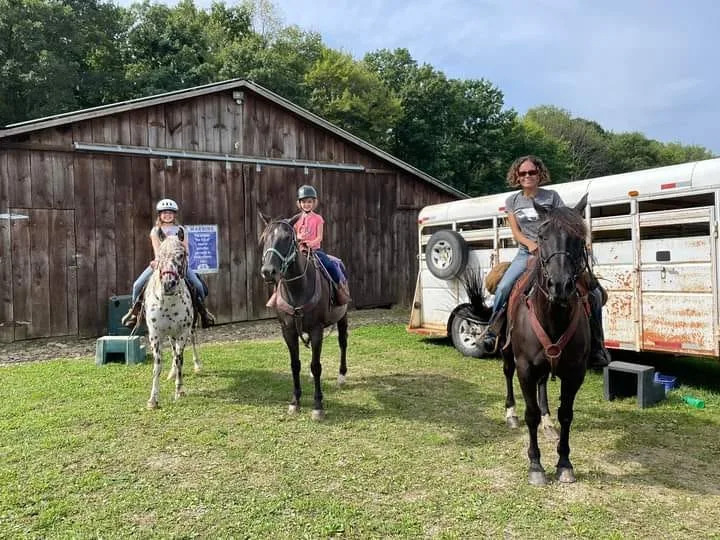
[(125, 349)]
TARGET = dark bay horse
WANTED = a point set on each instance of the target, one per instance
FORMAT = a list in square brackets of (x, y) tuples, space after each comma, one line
[(303, 305), (549, 331)]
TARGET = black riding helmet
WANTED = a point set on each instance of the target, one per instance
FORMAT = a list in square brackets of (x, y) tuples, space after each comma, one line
[(306, 192)]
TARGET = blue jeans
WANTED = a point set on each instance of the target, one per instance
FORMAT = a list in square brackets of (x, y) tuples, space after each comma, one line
[(145, 276), (330, 266), (511, 275), (516, 269)]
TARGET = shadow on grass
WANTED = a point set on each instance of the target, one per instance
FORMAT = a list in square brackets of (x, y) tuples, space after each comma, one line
[(472, 411)]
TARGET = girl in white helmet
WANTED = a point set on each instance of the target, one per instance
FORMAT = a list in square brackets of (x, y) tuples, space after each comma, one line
[(166, 225)]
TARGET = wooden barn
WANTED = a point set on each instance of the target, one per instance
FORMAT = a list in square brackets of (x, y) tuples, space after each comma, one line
[(77, 196)]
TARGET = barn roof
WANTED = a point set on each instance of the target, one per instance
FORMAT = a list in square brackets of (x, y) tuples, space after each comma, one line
[(233, 84)]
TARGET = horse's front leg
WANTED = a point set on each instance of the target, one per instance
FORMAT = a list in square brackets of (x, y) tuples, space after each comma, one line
[(511, 418), (291, 340), (529, 384), (568, 390), (197, 362), (153, 402), (545, 420), (316, 339), (178, 346), (342, 326)]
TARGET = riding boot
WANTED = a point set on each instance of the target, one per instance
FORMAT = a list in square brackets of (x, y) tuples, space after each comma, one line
[(207, 319), (130, 319), (599, 355), (494, 327)]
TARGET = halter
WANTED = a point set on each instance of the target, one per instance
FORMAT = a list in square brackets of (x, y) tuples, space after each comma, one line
[(290, 256)]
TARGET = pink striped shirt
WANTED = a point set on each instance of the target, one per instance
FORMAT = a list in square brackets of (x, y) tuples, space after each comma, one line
[(306, 228)]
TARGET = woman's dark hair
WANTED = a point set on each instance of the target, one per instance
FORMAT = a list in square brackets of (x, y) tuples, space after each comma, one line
[(512, 175)]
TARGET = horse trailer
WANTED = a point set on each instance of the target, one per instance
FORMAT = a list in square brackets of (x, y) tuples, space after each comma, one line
[(654, 244)]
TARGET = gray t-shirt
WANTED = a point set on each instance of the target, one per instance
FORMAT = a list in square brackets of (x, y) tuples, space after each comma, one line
[(525, 214)]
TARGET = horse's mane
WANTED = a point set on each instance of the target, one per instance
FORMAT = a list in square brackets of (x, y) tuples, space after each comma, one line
[(290, 221), (169, 247), (566, 219)]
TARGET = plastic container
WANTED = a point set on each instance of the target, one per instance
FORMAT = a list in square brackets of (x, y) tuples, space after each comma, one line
[(668, 381), (694, 402)]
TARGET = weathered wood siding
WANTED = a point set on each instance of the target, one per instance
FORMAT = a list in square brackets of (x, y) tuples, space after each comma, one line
[(84, 237)]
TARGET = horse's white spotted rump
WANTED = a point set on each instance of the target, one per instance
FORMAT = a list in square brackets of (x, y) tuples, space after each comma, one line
[(169, 313)]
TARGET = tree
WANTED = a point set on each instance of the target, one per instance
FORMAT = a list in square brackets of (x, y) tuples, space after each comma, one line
[(586, 140), (348, 94), (50, 63), (453, 129)]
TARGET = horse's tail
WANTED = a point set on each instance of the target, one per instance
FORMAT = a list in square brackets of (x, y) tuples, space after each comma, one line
[(472, 281)]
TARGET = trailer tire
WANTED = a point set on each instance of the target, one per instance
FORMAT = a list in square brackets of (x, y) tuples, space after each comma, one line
[(446, 254), (463, 337)]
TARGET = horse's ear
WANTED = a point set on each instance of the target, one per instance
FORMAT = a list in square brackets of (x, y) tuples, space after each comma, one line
[(294, 219), (540, 209), (580, 206), (263, 219)]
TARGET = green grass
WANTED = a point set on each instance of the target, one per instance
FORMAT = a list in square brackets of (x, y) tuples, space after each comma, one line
[(414, 446)]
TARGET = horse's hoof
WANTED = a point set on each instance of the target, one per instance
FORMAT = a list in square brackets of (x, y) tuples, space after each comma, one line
[(341, 380), (179, 394), (318, 415), (293, 409), (551, 433), (566, 475), (197, 369), (152, 404), (512, 422), (537, 478)]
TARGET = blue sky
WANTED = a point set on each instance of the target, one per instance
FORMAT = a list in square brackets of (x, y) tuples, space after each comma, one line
[(632, 65)]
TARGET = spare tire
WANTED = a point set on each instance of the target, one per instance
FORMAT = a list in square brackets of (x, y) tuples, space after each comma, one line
[(446, 254)]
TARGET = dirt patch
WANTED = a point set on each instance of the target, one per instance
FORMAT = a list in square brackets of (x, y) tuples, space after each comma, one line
[(72, 347)]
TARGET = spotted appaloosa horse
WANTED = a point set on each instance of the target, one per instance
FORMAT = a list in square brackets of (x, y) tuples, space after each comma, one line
[(303, 305), (169, 313)]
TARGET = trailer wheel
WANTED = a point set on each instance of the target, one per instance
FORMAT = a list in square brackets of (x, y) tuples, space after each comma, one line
[(463, 334), (446, 254)]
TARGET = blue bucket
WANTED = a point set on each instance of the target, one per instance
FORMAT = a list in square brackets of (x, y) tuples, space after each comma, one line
[(668, 381)]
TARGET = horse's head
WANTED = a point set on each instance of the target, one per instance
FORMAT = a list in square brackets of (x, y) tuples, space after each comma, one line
[(562, 256), (172, 264), (279, 248)]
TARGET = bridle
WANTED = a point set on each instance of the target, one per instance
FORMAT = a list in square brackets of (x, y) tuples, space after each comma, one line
[(579, 263), (577, 305), (287, 259)]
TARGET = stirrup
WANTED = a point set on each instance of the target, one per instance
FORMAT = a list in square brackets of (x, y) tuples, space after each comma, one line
[(129, 320)]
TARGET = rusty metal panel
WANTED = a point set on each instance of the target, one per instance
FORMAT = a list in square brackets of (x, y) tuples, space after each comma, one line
[(689, 249), (677, 278), (619, 318), (678, 322)]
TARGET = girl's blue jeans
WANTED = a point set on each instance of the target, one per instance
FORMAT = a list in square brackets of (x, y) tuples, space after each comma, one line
[(145, 276)]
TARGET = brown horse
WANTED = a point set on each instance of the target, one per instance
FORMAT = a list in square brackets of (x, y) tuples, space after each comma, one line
[(549, 331), (303, 305)]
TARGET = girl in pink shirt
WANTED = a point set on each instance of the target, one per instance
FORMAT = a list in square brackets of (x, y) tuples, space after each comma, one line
[(309, 232)]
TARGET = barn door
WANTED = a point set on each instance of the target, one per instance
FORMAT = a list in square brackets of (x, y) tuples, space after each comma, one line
[(38, 274)]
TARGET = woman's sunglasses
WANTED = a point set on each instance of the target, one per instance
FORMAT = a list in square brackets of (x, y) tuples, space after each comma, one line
[(527, 173)]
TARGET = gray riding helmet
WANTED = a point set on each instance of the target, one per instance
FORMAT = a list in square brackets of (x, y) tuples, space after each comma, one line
[(305, 192)]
